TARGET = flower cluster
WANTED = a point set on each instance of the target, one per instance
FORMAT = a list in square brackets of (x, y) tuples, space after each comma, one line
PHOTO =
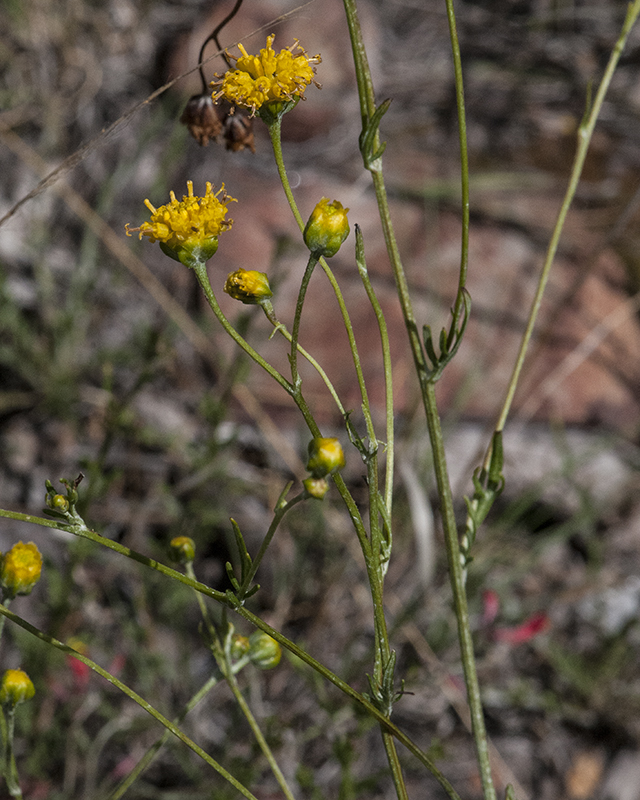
[(268, 79), (188, 229)]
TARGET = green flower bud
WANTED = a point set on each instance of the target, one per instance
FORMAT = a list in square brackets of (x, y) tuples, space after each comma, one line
[(248, 286), (264, 651), (20, 569), (325, 457), (16, 687), (59, 502), (316, 487), (327, 228), (182, 550), (240, 646)]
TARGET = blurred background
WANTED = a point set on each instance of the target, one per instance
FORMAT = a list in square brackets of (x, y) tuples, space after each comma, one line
[(112, 365)]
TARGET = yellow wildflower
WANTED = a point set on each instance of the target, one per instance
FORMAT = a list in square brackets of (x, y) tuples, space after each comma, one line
[(268, 79), (325, 457), (20, 570), (327, 228), (16, 687), (249, 286), (188, 229)]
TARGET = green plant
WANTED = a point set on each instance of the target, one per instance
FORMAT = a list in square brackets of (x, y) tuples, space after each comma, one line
[(269, 86)]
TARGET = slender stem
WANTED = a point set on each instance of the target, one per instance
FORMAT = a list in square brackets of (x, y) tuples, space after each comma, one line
[(79, 528), (585, 134), (456, 578), (429, 400), (344, 687), (280, 328), (155, 748), (464, 162), (275, 134), (295, 331), (200, 269), (275, 522), (262, 742), (387, 365), (133, 696), (214, 35), (11, 769)]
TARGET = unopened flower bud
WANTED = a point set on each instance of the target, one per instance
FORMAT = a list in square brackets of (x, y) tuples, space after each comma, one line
[(16, 687), (264, 651), (182, 550), (59, 502), (248, 286), (20, 569), (327, 228), (201, 116), (316, 487), (325, 457), (240, 646)]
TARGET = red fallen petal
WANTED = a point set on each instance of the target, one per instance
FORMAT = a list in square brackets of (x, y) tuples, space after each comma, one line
[(490, 606), (80, 672), (523, 633)]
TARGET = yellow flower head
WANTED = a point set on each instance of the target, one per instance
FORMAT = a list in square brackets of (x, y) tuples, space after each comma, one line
[(327, 228), (16, 687), (268, 79), (325, 457), (182, 549), (20, 570), (249, 286), (188, 229)]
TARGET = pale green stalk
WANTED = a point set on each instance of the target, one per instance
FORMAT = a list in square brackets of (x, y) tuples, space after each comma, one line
[(374, 570), (295, 330), (220, 653), (280, 328), (155, 748), (262, 742), (133, 696), (9, 761), (373, 162), (585, 134), (232, 602)]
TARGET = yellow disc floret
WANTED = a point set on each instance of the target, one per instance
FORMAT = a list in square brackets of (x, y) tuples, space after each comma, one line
[(188, 228), (267, 79)]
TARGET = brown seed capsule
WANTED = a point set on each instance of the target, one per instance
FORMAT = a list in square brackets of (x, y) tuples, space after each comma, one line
[(238, 132), (202, 118)]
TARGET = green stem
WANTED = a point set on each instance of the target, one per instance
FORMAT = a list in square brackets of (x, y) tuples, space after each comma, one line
[(464, 162), (387, 365), (295, 331), (429, 399), (200, 269), (133, 696), (262, 742), (371, 548), (358, 698), (275, 129), (280, 328), (79, 528), (155, 748), (456, 576), (11, 774), (275, 522), (585, 134), (84, 532)]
